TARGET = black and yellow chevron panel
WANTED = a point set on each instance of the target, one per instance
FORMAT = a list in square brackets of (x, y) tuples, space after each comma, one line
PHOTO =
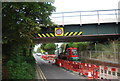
[(46, 35), (66, 34), (72, 33)]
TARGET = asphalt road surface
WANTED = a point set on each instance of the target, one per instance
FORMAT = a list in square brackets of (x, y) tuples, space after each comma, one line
[(51, 71)]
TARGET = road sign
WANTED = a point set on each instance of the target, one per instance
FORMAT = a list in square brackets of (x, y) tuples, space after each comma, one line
[(59, 32)]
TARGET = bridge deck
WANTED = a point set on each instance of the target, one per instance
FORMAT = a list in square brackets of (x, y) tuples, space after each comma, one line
[(76, 38)]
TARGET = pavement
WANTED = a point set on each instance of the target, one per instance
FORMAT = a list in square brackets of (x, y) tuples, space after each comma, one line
[(48, 71)]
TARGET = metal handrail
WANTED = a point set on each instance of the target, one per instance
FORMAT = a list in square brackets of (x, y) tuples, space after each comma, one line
[(97, 13), (85, 15), (85, 11)]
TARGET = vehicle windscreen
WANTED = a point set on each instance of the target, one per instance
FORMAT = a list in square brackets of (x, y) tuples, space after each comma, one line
[(74, 52)]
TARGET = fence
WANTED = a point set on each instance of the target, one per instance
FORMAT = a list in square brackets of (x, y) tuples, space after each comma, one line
[(101, 55)]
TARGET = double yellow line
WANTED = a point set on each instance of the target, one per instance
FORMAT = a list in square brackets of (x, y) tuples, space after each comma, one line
[(40, 74)]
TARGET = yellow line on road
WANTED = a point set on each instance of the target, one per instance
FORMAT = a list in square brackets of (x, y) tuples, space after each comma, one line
[(41, 74)]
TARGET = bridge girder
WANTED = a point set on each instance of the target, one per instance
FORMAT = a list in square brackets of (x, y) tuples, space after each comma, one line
[(82, 38), (90, 32)]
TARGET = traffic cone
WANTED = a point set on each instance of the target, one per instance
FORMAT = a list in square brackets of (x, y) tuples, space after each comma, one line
[(53, 62), (49, 61), (90, 76)]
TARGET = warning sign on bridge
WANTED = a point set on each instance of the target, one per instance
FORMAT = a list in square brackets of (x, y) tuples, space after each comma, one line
[(59, 32)]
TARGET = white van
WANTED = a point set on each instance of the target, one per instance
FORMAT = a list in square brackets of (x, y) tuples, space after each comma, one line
[(39, 54)]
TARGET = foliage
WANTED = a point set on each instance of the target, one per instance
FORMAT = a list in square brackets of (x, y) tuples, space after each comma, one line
[(109, 49), (50, 47), (63, 47), (21, 20), (42, 46), (81, 45), (84, 46), (99, 47), (70, 44), (39, 50), (20, 67), (108, 46), (24, 19)]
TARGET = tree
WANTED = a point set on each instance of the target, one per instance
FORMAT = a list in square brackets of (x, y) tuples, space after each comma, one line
[(50, 48), (42, 46), (82, 46), (63, 46), (21, 20), (38, 50)]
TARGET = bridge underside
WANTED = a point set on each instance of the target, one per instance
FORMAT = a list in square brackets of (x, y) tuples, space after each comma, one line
[(81, 38)]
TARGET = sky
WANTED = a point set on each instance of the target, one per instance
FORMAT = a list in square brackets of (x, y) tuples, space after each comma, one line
[(83, 5)]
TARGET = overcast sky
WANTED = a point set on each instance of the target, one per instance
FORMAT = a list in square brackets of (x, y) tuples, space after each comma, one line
[(80, 5)]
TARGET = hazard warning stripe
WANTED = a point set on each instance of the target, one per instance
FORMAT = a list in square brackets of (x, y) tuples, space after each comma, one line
[(66, 34), (47, 34), (39, 35), (51, 34), (79, 33), (72, 33), (44, 35), (75, 33)]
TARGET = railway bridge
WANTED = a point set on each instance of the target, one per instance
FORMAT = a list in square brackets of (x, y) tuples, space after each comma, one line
[(77, 26)]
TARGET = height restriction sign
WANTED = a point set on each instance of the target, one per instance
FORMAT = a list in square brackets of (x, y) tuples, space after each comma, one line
[(59, 32)]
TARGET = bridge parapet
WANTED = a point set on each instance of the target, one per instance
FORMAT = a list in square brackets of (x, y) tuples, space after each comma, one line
[(84, 17)]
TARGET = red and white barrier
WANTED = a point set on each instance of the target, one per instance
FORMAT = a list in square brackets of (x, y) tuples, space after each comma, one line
[(89, 70), (107, 72), (48, 57)]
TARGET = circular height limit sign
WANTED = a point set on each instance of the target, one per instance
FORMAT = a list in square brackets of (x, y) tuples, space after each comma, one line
[(59, 32)]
